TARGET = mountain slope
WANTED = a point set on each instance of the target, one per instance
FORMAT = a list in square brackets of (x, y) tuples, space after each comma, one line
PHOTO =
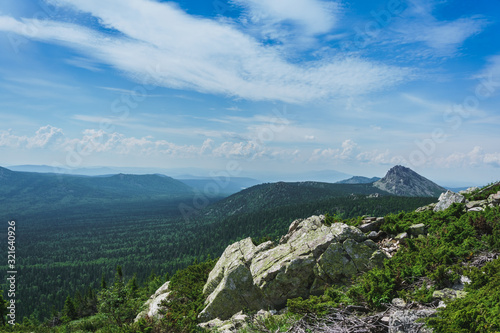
[(22, 191), (221, 186), (272, 195), (358, 180), (403, 181)]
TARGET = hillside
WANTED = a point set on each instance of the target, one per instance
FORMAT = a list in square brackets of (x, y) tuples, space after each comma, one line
[(358, 180), (272, 195), (403, 181), (220, 186), (26, 192)]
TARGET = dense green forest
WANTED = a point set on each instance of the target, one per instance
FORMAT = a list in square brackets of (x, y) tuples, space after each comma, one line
[(454, 238), (62, 249)]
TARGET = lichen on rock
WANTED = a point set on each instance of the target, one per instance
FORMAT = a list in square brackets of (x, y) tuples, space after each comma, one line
[(310, 256)]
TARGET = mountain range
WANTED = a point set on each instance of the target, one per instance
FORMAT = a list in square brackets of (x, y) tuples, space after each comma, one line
[(37, 188), (108, 220)]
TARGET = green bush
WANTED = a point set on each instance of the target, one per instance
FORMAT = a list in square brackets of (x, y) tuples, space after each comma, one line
[(479, 310), (186, 299)]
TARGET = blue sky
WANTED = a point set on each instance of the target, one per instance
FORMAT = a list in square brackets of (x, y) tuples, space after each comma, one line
[(270, 86)]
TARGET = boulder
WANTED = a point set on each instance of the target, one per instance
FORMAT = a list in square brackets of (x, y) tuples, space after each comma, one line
[(153, 304), (477, 203), (469, 190), (417, 229), (236, 323), (447, 199), (425, 208), (309, 257), (399, 303), (401, 236), (448, 294), (410, 321), (373, 225), (494, 198)]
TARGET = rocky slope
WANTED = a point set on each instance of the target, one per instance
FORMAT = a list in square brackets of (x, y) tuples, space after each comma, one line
[(251, 282), (403, 181)]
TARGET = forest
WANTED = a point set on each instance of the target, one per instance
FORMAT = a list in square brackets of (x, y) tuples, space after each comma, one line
[(66, 249), (455, 237)]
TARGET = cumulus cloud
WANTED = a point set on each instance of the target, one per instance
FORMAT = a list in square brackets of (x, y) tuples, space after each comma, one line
[(344, 153), (238, 149), (45, 137), (95, 141), (158, 43), (375, 157), (476, 157)]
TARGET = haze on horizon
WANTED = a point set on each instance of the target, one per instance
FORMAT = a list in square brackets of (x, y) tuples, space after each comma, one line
[(261, 86)]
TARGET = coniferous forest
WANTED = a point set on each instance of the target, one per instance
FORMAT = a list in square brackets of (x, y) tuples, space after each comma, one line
[(68, 249)]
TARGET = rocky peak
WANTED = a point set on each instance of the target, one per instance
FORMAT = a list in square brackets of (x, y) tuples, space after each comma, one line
[(403, 181)]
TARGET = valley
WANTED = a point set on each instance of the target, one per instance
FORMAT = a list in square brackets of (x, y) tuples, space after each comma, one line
[(74, 230)]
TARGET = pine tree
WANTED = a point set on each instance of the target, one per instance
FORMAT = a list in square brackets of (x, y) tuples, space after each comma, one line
[(79, 303), (69, 310), (104, 285), (132, 285), (119, 272)]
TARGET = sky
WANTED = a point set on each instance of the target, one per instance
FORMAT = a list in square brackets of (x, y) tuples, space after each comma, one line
[(251, 87)]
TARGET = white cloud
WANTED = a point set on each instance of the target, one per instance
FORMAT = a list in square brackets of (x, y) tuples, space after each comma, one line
[(45, 137), (375, 157), (161, 45), (345, 153), (290, 19), (490, 78), (476, 157), (442, 38), (238, 149), (492, 159)]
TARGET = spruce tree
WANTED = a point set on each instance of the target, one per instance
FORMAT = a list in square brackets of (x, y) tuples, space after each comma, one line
[(69, 310)]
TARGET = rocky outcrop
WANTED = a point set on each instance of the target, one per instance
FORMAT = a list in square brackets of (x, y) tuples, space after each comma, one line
[(447, 199), (410, 321), (309, 257), (153, 304), (403, 181), (469, 190)]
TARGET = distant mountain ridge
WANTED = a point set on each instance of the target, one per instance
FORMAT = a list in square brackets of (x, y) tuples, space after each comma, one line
[(220, 186), (358, 180), (403, 181), (28, 190), (272, 195)]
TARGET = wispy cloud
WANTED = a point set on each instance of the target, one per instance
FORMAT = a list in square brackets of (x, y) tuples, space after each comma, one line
[(290, 20), (162, 45), (438, 38)]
